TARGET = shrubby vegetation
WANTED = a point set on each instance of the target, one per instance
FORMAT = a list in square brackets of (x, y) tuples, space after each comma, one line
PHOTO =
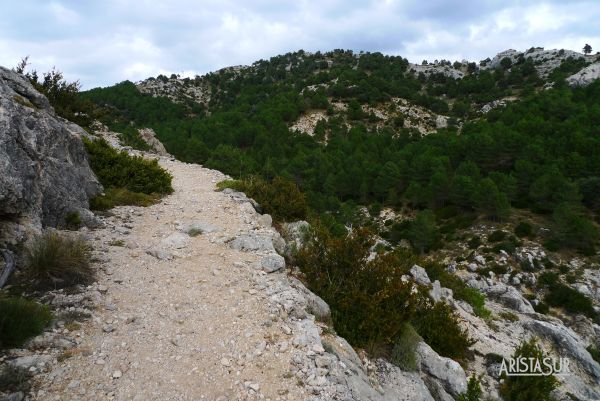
[(473, 392), (21, 319), (561, 295), (528, 388), (127, 180), (61, 94), (538, 153), (56, 261), (279, 197), (460, 290), (371, 304)]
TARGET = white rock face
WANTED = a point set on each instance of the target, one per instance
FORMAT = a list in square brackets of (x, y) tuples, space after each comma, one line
[(177, 90), (586, 76), (431, 69), (545, 61), (149, 136), (447, 372)]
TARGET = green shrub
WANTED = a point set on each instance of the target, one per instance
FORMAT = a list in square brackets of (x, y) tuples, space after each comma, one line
[(507, 246), (548, 278), (572, 229), (473, 392), (524, 229), (563, 296), (121, 196), (194, 232), (511, 317), (279, 197), (423, 233), (438, 325), (528, 388), (594, 351), (21, 319), (117, 169), (542, 308), (130, 136), (55, 261), (404, 352), (73, 221), (14, 379), (370, 303), (474, 242), (460, 290), (497, 236), (552, 245)]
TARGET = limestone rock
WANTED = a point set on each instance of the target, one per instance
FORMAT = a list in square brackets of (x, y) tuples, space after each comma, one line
[(420, 275), (510, 297), (272, 263), (447, 372), (252, 242), (175, 240), (198, 227), (149, 136), (569, 342), (26, 362), (294, 232), (265, 220), (44, 170), (586, 76)]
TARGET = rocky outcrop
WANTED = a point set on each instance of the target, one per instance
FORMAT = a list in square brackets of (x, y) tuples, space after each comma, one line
[(568, 342), (586, 76), (545, 61), (507, 295), (434, 69), (149, 136), (44, 170), (445, 372), (177, 89)]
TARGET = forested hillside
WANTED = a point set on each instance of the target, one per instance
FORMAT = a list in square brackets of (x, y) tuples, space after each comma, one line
[(539, 152)]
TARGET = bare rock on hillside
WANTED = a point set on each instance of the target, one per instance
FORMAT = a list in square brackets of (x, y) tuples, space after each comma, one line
[(149, 136), (44, 169), (586, 76)]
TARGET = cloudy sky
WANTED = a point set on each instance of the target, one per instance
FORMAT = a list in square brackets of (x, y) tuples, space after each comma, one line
[(104, 42)]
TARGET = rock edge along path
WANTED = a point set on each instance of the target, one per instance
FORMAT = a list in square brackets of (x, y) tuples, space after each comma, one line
[(182, 317)]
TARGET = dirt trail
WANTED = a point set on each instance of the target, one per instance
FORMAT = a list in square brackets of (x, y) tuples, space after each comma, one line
[(180, 317)]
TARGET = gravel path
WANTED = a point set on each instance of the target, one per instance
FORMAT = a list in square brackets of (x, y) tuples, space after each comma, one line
[(180, 317)]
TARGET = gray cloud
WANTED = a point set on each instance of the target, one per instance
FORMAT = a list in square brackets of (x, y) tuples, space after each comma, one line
[(103, 42)]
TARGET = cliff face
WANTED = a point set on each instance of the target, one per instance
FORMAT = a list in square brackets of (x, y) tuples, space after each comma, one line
[(44, 170)]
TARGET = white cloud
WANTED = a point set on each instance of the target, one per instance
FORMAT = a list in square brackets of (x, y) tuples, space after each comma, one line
[(101, 43)]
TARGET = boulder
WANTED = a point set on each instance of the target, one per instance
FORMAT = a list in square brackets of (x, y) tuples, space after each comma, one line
[(439, 293), (175, 240), (510, 297), (149, 136), (272, 263), (252, 242), (420, 275), (314, 304), (448, 373), (26, 362), (44, 169), (294, 232)]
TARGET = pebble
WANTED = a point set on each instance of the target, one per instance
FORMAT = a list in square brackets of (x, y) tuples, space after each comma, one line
[(117, 374)]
